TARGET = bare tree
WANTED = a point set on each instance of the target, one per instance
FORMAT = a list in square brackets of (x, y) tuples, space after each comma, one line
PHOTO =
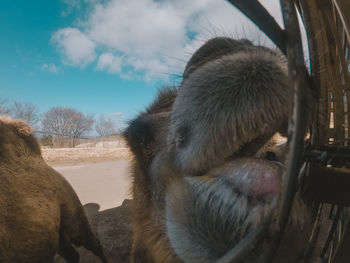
[(61, 123), (79, 124), (55, 123), (25, 111), (3, 106), (105, 127)]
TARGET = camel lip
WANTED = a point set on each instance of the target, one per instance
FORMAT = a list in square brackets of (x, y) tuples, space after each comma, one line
[(257, 179)]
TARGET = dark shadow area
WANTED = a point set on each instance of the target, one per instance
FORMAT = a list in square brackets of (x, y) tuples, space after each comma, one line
[(113, 228), (91, 209)]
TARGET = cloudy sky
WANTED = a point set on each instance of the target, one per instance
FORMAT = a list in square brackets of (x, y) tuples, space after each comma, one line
[(107, 56)]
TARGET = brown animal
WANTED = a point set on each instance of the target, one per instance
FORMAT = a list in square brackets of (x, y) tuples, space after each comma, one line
[(40, 214), (201, 181)]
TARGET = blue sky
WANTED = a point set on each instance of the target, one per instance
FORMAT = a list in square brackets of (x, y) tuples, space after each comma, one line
[(105, 56)]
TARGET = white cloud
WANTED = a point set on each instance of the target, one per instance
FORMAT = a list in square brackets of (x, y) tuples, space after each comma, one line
[(151, 36), (109, 62), (77, 48), (50, 67)]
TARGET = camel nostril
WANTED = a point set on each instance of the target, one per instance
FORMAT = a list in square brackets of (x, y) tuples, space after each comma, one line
[(271, 156)]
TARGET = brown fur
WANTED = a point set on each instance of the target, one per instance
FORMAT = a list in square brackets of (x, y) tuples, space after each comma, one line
[(198, 151), (40, 214)]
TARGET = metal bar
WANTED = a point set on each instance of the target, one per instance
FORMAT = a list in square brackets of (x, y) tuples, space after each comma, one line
[(313, 22), (342, 37), (346, 26), (262, 19), (341, 254), (331, 233), (298, 121), (313, 11), (246, 246), (314, 236), (335, 72)]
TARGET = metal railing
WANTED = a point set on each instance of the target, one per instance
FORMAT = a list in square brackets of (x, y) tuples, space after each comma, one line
[(288, 40)]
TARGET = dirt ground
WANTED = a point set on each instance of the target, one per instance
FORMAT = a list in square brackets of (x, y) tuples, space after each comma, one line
[(104, 183), (102, 188)]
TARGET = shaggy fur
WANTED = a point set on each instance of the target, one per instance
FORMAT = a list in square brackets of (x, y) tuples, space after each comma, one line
[(202, 179), (40, 214)]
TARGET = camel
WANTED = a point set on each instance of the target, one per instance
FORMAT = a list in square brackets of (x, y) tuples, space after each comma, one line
[(40, 214), (202, 177)]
